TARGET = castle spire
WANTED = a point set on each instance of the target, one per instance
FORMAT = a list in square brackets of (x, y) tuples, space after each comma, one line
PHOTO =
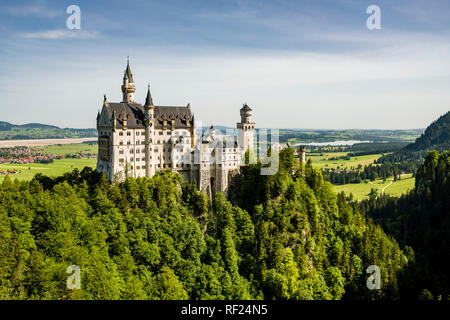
[(148, 100), (128, 87), (128, 75)]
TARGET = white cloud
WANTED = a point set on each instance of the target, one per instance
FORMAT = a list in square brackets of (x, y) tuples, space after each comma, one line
[(59, 34)]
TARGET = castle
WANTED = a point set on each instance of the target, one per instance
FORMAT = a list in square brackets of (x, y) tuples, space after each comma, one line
[(137, 140)]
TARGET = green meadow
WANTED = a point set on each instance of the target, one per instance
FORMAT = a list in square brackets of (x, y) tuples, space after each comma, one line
[(361, 190), (322, 160), (57, 168), (63, 149)]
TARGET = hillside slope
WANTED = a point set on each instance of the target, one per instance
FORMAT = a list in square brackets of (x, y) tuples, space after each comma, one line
[(436, 136)]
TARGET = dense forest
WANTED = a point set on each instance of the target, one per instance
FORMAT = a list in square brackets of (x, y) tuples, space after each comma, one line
[(285, 236), (421, 219)]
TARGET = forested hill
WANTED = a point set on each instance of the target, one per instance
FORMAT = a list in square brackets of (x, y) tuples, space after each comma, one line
[(10, 131), (285, 236), (421, 219), (436, 136)]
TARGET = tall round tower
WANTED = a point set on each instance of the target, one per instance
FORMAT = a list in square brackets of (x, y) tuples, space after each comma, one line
[(246, 128), (302, 155), (149, 110)]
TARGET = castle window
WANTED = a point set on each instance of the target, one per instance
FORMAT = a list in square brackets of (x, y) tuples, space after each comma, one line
[(137, 133), (128, 142), (121, 133), (137, 150), (137, 167), (128, 133), (131, 151), (131, 159), (120, 151), (142, 133), (160, 133), (121, 160), (121, 142)]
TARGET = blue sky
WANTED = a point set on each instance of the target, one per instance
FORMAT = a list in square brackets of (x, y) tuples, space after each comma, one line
[(298, 64)]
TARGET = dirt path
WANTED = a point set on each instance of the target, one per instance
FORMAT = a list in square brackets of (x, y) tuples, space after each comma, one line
[(382, 189)]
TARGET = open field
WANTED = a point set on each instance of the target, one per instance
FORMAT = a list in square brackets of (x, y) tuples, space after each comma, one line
[(401, 187), (361, 190), (41, 142), (70, 148), (320, 160), (57, 168)]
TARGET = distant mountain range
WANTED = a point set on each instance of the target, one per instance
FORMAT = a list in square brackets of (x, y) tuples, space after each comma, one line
[(9, 131), (8, 126)]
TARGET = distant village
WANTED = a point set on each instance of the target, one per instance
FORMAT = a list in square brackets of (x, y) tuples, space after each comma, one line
[(24, 155)]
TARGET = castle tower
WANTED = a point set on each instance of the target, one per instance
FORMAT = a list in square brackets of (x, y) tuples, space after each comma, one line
[(128, 87), (246, 128), (302, 155), (212, 133), (149, 110)]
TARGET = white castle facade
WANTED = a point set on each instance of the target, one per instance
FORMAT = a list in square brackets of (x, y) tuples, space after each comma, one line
[(137, 140)]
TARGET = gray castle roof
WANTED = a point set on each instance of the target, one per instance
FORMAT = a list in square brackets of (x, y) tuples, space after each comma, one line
[(246, 107), (135, 115)]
